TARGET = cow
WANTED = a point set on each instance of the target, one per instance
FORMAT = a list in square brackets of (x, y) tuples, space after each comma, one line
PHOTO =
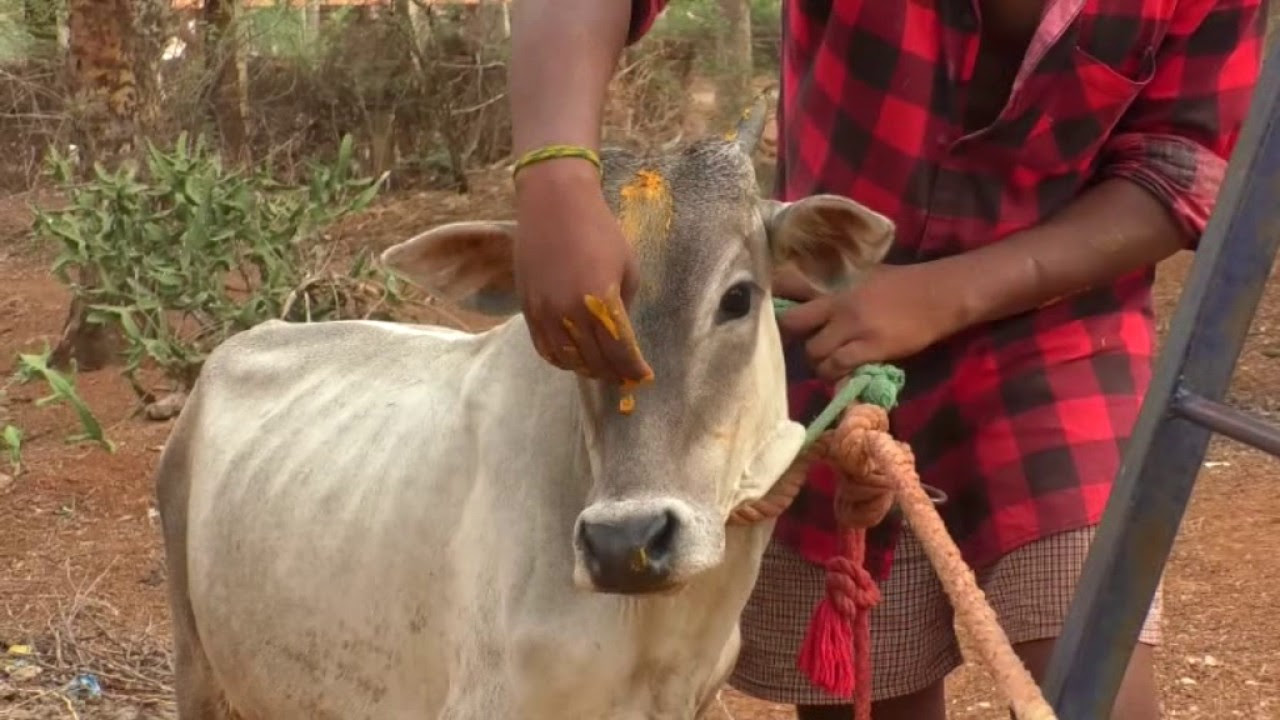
[(378, 520)]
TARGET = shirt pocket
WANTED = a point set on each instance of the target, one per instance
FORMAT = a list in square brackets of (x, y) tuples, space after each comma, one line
[(1068, 109)]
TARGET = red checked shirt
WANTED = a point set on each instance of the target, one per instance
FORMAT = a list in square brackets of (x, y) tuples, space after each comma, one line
[(1021, 422)]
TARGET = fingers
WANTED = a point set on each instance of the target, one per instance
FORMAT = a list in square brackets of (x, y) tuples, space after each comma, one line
[(554, 343), (596, 340), (581, 344), (826, 341), (843, 362), (630, 279), (805, 318), (835, 346), (623, 357), (616, 338)]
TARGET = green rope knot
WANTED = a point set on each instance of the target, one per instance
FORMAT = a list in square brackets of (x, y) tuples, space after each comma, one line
[(883, 382), (875, 383)]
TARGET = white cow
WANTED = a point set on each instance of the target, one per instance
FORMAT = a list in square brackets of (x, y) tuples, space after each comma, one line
[(382, 521)]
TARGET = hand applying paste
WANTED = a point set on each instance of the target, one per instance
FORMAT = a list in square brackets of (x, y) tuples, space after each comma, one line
[(610, 313)]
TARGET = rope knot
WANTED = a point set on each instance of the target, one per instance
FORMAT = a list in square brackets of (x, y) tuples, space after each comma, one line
[(850, 587), (866, 492), (881, 384)]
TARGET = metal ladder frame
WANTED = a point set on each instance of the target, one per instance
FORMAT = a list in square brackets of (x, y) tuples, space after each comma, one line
[(1183, 407)]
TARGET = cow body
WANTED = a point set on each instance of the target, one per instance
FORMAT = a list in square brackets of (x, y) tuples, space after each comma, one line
[(372, 520), (382, 515)]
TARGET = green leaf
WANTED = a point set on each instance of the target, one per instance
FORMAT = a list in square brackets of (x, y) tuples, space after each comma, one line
[(64, 390), (12, 438)]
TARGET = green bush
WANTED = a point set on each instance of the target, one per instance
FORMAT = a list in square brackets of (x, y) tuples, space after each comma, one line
[(182, 256)]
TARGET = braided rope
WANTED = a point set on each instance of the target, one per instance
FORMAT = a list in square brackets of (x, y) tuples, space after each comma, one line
[(875, 470)]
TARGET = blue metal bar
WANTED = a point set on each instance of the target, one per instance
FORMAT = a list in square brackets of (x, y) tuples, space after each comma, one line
[(1226, 420), (1167, 448)]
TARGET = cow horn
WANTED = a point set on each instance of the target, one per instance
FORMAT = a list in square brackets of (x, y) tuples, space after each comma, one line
[(751, 126)]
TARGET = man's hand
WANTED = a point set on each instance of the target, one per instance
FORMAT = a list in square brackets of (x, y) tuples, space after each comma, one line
[(575, 272), (894, 312)]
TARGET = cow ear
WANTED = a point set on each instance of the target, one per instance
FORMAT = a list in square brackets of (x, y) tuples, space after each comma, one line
[(467, 263), (829, 238)]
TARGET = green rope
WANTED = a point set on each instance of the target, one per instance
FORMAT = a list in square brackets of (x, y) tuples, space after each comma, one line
[(875, 383)]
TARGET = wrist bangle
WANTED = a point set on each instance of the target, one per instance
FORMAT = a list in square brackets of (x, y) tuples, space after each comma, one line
[(553, 152)]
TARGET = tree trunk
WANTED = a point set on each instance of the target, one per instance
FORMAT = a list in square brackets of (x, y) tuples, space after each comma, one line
[(311, 20), (102, 70), (229, 95), (101, 40), (735, 56), (153, 23)]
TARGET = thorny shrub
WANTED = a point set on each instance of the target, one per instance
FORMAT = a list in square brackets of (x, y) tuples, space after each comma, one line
[(190, 252)]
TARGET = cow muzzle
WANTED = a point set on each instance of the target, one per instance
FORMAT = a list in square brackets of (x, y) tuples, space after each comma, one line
[(633, 547)]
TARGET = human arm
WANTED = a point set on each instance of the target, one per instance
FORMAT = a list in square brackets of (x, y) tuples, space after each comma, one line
[(1159, 175), (1158, 178), (569, 247)]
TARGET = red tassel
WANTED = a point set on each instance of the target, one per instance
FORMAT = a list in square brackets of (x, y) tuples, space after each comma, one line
[(827, 655)]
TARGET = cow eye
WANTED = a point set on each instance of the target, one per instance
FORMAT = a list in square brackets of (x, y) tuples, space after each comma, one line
[(736, 302)]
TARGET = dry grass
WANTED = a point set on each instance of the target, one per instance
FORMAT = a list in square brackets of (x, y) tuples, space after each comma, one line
[(78, 638)]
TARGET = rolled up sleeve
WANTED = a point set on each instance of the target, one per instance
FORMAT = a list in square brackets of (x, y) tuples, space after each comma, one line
[(643, 14), (1176, 137)]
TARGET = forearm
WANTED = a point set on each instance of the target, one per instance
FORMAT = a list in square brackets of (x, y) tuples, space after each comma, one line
[(554, 101), (1112, 229)]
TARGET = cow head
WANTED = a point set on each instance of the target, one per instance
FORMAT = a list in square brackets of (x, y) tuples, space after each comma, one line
[(711, 430)]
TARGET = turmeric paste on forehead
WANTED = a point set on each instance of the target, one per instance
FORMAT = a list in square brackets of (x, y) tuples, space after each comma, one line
[(645, 213), (646, 208)]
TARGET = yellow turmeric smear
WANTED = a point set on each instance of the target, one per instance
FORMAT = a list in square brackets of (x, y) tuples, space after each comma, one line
[(610, 314), (645, 208), (601, 311), (742, 118), (639, 560), (627, 404)]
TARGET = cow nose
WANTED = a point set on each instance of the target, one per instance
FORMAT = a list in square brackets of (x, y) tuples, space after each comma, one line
[(630, 555)]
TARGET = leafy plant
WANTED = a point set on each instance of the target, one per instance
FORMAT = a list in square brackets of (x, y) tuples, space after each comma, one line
[(190, 252), (11, 438), (63, 389)]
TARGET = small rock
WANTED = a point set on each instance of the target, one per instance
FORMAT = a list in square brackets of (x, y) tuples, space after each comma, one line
[(153, 578), (1186, 681), (1212, 661), (84, 687), (5, 480), (167, 407), (7, 691), (23, 671)]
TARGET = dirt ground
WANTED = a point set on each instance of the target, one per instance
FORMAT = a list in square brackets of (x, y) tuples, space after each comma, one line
[(82, 583)]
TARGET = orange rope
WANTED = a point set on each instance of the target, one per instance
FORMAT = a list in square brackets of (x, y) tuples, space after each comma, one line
[(876, 470)]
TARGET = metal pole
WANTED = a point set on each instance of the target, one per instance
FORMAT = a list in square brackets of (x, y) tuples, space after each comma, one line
[(1166, 450)]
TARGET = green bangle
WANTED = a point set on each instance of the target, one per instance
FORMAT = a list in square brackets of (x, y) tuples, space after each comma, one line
[(552, 152)]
